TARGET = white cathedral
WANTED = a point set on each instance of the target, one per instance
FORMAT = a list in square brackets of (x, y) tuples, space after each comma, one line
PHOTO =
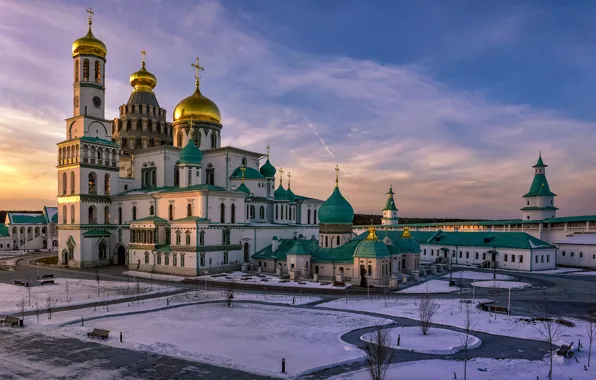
[(159, 196)]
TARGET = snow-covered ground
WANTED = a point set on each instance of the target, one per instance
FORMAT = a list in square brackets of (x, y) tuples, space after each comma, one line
[(451, 312), (584, 273), (501, 284), (9, 254), (251, 338), (558, 271), (79, 292), (267, 280), (431, 286), (483, 369), (470, 275), (154, 276), (437, 341)]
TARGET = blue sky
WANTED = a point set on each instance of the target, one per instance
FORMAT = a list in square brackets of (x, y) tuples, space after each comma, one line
[(448, 101)]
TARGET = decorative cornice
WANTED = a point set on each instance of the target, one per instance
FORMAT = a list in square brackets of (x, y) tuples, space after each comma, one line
[(90, 227), (84, 198), (90, 166), (91, 85), (207, 248)]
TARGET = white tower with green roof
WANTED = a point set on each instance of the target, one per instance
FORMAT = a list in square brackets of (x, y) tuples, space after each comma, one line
[(389, 211), (539, 201)]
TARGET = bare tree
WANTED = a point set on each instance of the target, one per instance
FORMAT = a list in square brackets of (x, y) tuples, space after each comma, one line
[(67, 289), (546, 325), (49, 304), (29, 293), (427, 309), (21, 305), (466, 338), (377, 354), (591, 330), (97, 279)]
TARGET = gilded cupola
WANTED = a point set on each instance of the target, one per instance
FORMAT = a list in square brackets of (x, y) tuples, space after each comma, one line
[(197, 107), (88, 44), (143, 80)]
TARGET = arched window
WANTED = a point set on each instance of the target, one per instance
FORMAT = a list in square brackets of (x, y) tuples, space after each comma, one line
[(92, 183), (337, 241), (64, 216), (369, 270), (178, 237), (176, 175), (171, 212), (119, 215), (182, 260), (76, 71), (262, 212), (233, 212), (159, 259), (244, 161), (106, 215), (314, 219), (63, 183), (151, 210), (107, 185), (72, 214), (189, 177), (222, 213), (252, 211), (308, 216), (85, 70), (72, 182), (179, 140), (213, 141), (225, 236), (189, 209), (174, 259), (97, 72), (202, 238), (197, 138), (146, 257), (210, 173), (276, 212), (326, 241), (92, 214), (187, 237), (134, 212), (202, 259)]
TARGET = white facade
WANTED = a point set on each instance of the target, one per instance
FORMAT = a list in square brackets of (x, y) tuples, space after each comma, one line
[(577, 250), (30, 231)]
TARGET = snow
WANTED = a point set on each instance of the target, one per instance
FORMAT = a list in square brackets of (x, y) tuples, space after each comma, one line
[(267, 280), (584, 274), (501, 284), (154, 276), (470, 275), (451, 313), (80, 292), (251, 338), (558, 271), (483, 369), (431, 286), (437, 341)]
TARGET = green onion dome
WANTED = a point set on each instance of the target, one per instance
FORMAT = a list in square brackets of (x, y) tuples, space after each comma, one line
[(268, 170), (407, 243), (249, 173), (243, 188), (336, 209), (291, 196), (280, 194), (190, 154), (371, 247)]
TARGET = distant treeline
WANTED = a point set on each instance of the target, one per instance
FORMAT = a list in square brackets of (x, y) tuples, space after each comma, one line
[(363, 219), (3, 213)]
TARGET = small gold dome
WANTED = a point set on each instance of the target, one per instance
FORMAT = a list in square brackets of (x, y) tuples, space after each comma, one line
[(143, 80), (198, 108), (89, 45)]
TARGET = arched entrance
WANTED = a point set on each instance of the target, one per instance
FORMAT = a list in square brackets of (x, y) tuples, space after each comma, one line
[(64, 260), (121, 255), (45, 244), (246, 253)]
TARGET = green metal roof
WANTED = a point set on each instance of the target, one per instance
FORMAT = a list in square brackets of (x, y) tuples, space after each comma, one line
[(515, 240), (539, 187), (96, 233), (190, 154), (268, 170), (371, 249), (4, 230), (299, 248), (280, 194), (21, 218), (154, 219), (535, 208), (166, 248), (290, 194), (565, 219), (336, 209), (192, 219), (249, 173), (51, 214), (173, 189), (343, 253), (400, 243), (97, 140), (243, 188), (540, 163), (390, 204)]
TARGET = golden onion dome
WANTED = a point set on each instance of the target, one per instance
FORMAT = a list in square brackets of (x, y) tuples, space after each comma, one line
[(89, 45), (198, 108), (143, 80)]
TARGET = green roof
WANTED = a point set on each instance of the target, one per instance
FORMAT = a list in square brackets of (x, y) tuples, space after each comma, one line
[(564, 219), (51, 214), (190, 154), (249, 173), (299, 248), (280, 194), (343, 253), (515, 240), (192, 219), (290, 194), (400, 244), (243, 188), (94, 140), (390, 204), (173, 189), (371, 249), (164, 249), (535, 208), (268, 170), (96, 233), (540, 163), (154, 219), (21, 218), (336, 209), (4, 230), (539, 187)]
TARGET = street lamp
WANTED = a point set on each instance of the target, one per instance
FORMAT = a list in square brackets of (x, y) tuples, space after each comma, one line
[(493, 253)]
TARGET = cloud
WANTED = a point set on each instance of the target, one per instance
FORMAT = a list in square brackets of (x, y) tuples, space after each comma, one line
[(447, 151)]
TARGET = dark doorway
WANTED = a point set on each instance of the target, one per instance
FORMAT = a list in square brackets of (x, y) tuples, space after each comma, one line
[(121, 255), (246, 258), (45, 244), (65, 257)]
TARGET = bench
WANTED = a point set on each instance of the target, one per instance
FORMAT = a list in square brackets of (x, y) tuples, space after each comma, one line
[(12, 321), (498, 309), (21, 283), (44, 281), (565, 351), (99, 333)]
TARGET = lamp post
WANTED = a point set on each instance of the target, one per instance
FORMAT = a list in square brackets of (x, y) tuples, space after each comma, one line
[(494, 252)]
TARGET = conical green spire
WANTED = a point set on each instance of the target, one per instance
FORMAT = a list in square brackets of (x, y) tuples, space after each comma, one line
[(540, 163), (390, 204)]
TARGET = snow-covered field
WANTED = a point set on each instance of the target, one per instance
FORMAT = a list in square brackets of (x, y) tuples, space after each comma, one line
[(431, 286), (470, 275), (451, 313), (483, 369), (251, 338), (501, 284), (79, 292), (267, 280), (437, 341), (154, 276)]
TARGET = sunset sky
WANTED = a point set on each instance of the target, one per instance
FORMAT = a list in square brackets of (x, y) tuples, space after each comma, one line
[(450, 102)]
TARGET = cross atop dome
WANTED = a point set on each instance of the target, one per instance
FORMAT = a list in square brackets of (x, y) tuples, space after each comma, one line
[(198, 68), (90, 16), (336, 175)]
